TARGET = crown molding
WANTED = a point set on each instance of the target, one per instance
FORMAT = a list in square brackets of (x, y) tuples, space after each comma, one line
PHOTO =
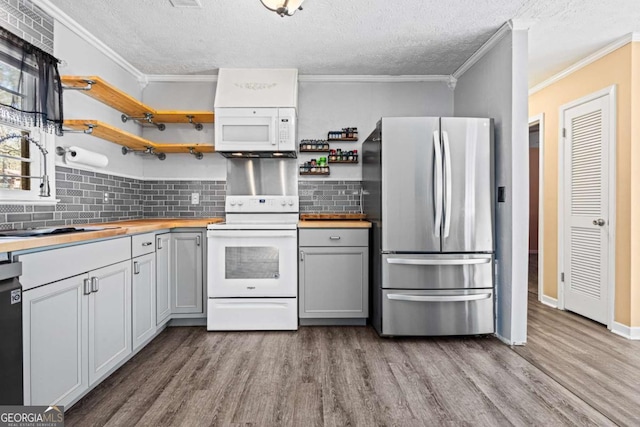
[(345, 78), (207, 78), (312, 78), (73, 25), (622, 41), (484, 49)]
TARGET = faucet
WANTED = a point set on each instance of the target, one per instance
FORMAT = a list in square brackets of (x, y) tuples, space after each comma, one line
[(45, 189)]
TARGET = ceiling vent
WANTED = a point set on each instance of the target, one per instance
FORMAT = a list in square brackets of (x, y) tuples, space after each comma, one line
[(186, 3)]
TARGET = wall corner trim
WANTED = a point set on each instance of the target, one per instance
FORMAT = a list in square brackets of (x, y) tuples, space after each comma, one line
[(73, 25), (548, 301), (628, 332), (484, 49), (622, 41)]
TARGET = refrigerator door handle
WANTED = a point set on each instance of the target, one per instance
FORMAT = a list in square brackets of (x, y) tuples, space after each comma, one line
[(438, 298), (437, 183), (414, 261), (447, 183)]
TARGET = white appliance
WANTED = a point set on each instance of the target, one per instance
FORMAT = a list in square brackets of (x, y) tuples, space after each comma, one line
[(255, 129), (252, 270), (256, 111)]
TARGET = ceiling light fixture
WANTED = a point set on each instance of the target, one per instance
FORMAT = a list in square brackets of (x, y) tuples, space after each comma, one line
[(283, 7)]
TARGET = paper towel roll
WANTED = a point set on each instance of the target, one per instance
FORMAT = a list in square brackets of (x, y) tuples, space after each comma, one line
[(81, 156)]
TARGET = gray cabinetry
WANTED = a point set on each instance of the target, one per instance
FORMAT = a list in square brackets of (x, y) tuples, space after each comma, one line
[(76, 331), (143, 299), (186, 278), (163, 273), (55, 342), (333, 275)]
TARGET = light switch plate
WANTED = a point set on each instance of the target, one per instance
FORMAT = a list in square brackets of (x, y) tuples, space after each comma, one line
[(195, 198)]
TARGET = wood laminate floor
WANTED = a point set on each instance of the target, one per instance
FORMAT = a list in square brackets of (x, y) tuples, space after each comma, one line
[(571, 372)]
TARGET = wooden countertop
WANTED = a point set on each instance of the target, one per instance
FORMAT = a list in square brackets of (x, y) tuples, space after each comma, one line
[(333, 224), (118, 228)]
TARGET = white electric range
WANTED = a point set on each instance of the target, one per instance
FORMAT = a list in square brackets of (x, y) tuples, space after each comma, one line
[(252, 265)]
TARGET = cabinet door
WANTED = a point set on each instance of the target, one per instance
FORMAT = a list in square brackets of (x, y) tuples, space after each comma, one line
[(186, 275), (109, 318), (55, 346), (143, 298), (163, 273), (334, 282)]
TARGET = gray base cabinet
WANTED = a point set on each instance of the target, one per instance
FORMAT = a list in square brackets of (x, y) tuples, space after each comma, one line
[(163, 273), (334, 274), (143, 299), (76, 331), (55, 349), (186, 278), (109, 319)]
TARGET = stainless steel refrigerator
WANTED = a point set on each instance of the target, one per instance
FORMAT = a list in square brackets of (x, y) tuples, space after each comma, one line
[(428, 185)]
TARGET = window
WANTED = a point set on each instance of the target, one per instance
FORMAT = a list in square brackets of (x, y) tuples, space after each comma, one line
[(30, 106), (15, 160), (22, 165)]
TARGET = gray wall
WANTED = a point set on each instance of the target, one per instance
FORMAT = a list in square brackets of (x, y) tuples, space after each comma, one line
[(323, 106), (496, 87)]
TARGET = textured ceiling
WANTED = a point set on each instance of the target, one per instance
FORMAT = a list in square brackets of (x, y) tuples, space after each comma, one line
[(424, 37)]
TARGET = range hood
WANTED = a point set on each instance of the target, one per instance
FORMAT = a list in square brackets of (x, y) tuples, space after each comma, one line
[(257, 88)]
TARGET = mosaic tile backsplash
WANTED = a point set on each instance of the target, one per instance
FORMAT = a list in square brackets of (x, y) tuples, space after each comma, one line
[(82, 200)]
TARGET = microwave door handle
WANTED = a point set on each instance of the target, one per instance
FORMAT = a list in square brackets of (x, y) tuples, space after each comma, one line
[(275, 120), (437, 183)]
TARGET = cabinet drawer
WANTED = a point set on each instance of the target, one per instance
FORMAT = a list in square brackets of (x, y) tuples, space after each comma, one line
[(334, 237), (142, 244), (49, 266)]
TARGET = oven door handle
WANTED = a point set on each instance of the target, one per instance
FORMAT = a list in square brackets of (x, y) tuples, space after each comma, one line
[(252, 235)]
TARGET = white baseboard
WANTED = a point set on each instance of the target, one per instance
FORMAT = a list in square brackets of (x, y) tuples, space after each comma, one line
[(629, 332), (548, 301), (507, 341)]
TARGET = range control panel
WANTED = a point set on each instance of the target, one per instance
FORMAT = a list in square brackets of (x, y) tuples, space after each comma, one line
[(261, 204)]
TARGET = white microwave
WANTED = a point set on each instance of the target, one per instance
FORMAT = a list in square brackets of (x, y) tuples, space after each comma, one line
[(255, 129)]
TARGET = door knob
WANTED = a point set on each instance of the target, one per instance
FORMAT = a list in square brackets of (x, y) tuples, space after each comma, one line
[(601, 222)]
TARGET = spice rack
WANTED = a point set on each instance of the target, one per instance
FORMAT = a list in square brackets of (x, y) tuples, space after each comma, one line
[(314, 146), (320, 166), (346, 134)]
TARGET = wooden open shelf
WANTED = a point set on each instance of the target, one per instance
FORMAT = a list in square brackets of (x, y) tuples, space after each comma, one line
[(343, 161), (342, 139), (125, 103), (126, 139)]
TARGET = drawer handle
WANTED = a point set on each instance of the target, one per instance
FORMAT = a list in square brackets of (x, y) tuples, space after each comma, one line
[(147, 243), (438, 298), (95, 284), (334, 238), (410, 261)]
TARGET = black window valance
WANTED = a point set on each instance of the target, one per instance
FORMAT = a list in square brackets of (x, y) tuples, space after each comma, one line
[(30, 86)]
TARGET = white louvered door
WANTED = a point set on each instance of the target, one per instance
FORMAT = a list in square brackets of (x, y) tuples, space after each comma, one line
[(586, 207)]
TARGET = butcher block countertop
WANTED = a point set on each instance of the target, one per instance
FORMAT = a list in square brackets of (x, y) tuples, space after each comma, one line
[(113, 229), (327, 223)]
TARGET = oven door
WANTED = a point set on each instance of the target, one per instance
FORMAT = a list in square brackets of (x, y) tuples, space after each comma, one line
[(246, 129), (252, 263)]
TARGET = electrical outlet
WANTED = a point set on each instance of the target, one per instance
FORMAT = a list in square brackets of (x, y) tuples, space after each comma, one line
[(106, 197), (195, 198)]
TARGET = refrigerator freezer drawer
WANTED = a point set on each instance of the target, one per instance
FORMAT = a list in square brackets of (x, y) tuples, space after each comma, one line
[(434, 313), (401, 271)]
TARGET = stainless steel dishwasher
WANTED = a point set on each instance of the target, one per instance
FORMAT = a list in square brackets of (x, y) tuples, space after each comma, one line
[(11, 392)]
